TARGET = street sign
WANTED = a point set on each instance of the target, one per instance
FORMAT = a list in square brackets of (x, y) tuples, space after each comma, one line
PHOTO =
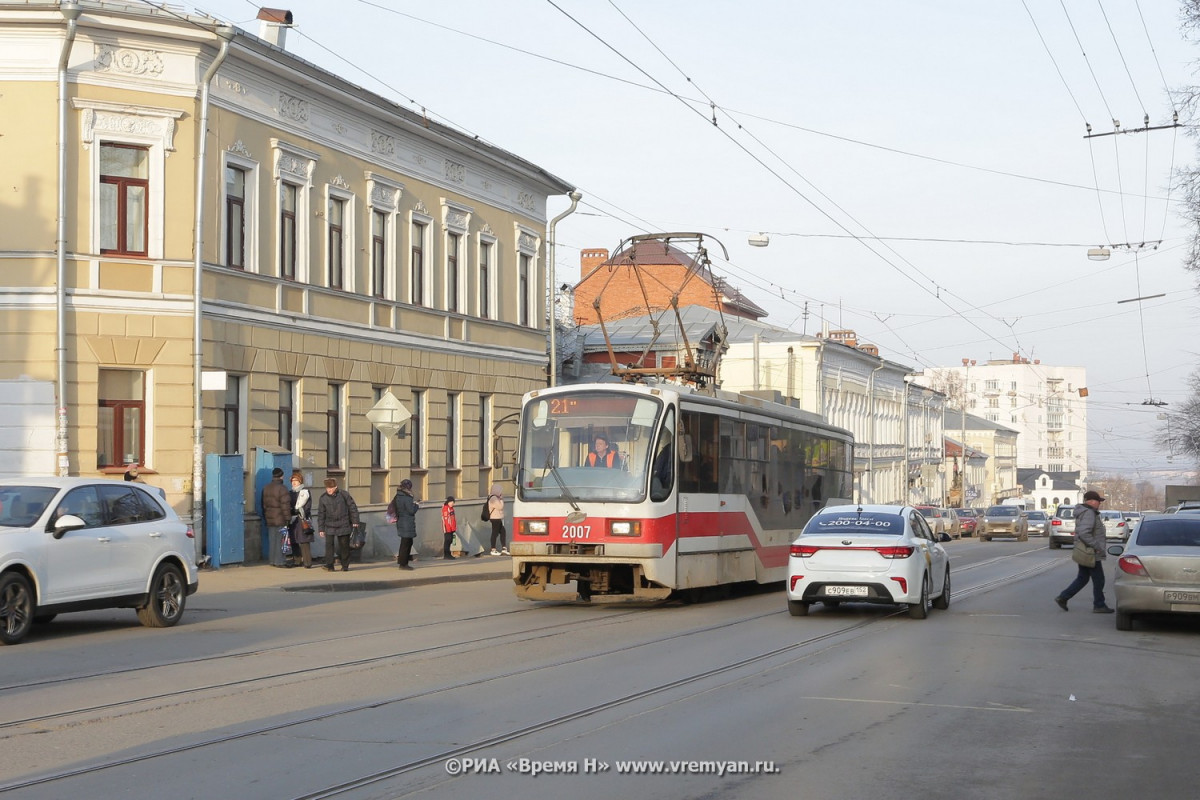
[(388, 415)]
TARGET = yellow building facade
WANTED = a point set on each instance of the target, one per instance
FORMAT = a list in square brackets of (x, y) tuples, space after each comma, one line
[(348, 248)]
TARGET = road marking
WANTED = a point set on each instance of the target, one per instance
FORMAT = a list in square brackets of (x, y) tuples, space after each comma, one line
[(920, 705)]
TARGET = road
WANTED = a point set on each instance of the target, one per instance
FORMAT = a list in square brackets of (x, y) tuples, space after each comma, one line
[(460, 690)]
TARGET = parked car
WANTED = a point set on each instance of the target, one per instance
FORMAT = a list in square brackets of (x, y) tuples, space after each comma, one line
[(1115, 525), (868, 554), (936, 518), (77, 544), (1062, 527), (968, 519), (1039, 522), (1004, 521), (1158, 571), (952, 524), (1188, 507)]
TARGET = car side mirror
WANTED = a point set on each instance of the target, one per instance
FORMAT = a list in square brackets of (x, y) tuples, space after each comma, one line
[(67, 523), (944, 537)]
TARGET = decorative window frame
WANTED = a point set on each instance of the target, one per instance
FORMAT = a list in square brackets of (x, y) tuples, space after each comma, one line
[(418, 216), (143, 126), (338, 189), (238, 156), (456, 221), (528, 242), (294, 165), (485, 240), (384, 195)]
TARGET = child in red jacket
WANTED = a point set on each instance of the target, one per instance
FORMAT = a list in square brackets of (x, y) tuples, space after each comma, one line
[(449, 527)]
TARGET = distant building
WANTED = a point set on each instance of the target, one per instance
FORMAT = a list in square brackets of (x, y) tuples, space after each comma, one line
[(1043, 403), (999, 443), (615, 282), (968, 477), (1049, 490)]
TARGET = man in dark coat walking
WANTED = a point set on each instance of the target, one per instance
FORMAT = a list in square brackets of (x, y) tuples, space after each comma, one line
[(337, 514), (276, 504), (404, 507)]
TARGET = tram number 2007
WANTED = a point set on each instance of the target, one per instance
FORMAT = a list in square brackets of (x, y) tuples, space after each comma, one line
[(577, 531)]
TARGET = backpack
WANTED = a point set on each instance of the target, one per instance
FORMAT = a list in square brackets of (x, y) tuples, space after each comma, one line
[(485, 515)]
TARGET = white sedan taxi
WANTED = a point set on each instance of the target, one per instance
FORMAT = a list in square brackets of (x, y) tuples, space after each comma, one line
[(868, 554)]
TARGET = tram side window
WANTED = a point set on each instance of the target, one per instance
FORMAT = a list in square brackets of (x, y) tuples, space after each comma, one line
[(732, 466), (700, 474), (662, 473)]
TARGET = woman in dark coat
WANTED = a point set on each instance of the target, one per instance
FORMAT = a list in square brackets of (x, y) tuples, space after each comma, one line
[(404, 507), (301, 527)]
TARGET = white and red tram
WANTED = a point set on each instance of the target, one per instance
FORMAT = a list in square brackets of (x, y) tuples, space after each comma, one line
[(703, 489)]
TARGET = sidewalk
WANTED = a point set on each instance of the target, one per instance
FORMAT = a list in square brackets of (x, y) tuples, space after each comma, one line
[(371, 576)]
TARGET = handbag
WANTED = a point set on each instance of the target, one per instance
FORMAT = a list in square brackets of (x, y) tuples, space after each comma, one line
[(285, 542), (358, 537), (1083, 555)]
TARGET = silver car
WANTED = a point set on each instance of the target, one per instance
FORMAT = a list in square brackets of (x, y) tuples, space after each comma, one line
[(1158, 572), (1039, 522), (1115, 525)]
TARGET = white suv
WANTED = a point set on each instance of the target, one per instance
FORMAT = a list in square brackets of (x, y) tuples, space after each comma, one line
[(77, 544)]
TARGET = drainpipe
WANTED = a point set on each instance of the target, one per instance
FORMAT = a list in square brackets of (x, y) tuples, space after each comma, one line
[(225, 34), (791, 377), (575, 196), (871, 457), (61, 444)]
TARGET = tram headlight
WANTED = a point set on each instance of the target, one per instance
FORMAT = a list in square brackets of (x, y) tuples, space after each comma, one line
[(534, 527), (625, 527)]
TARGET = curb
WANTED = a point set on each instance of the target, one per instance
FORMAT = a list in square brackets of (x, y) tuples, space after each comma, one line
[(379, 586)]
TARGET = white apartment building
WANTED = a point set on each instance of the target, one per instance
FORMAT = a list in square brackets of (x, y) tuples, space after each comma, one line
[(1044, 403)]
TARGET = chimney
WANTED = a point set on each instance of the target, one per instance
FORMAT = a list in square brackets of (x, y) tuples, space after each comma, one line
[(273, 24), (590, 258)]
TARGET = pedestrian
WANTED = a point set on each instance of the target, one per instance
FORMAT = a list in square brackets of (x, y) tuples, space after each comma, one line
[(1089, 532), (495, 505), (404, 508), (337, 514), (276, 504), (449, 528), (301, 525)]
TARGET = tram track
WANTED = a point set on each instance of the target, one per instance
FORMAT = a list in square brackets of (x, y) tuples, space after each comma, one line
[(846, 632)]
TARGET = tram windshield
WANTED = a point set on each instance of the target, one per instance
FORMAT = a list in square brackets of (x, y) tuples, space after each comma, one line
[(589, 445)]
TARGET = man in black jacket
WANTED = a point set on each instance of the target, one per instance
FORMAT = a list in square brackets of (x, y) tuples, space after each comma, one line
[(337, 515), (276, 503)]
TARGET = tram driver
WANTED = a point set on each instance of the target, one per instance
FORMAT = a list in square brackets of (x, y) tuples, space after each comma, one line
[(602, 455)]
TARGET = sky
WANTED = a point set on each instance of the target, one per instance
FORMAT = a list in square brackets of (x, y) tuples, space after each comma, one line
[(921, 168)]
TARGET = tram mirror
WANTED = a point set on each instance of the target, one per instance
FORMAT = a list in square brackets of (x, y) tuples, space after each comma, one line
[(540, 414), (685, 448), (645, 413)]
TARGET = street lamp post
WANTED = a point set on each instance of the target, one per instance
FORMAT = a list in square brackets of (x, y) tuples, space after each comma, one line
[(962, 433)]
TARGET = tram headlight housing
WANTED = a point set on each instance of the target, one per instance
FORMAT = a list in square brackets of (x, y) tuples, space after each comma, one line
[(624, 527), (534, 527)]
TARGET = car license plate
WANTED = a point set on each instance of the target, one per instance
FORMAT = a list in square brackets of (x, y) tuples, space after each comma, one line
[(1181, 597), (846, 591)]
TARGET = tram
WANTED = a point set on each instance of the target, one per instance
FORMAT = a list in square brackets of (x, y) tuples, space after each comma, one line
[(633, 492)]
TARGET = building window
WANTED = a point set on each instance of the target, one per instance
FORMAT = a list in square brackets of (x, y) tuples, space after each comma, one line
[(523, 316), (417, 265), (379, 254), (231, 413), (452, 430), (337, 242), (288, 195), (379, 450), (124, 190), (235, 217), (485, 430), (121, 426), (334, 428), (453, 247), (993, 402), (287, 415), (991, 385), (417, 429), (485, 287)]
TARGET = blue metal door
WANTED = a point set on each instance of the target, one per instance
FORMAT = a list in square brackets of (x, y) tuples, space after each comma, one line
[(224, 509), (267, 459)]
